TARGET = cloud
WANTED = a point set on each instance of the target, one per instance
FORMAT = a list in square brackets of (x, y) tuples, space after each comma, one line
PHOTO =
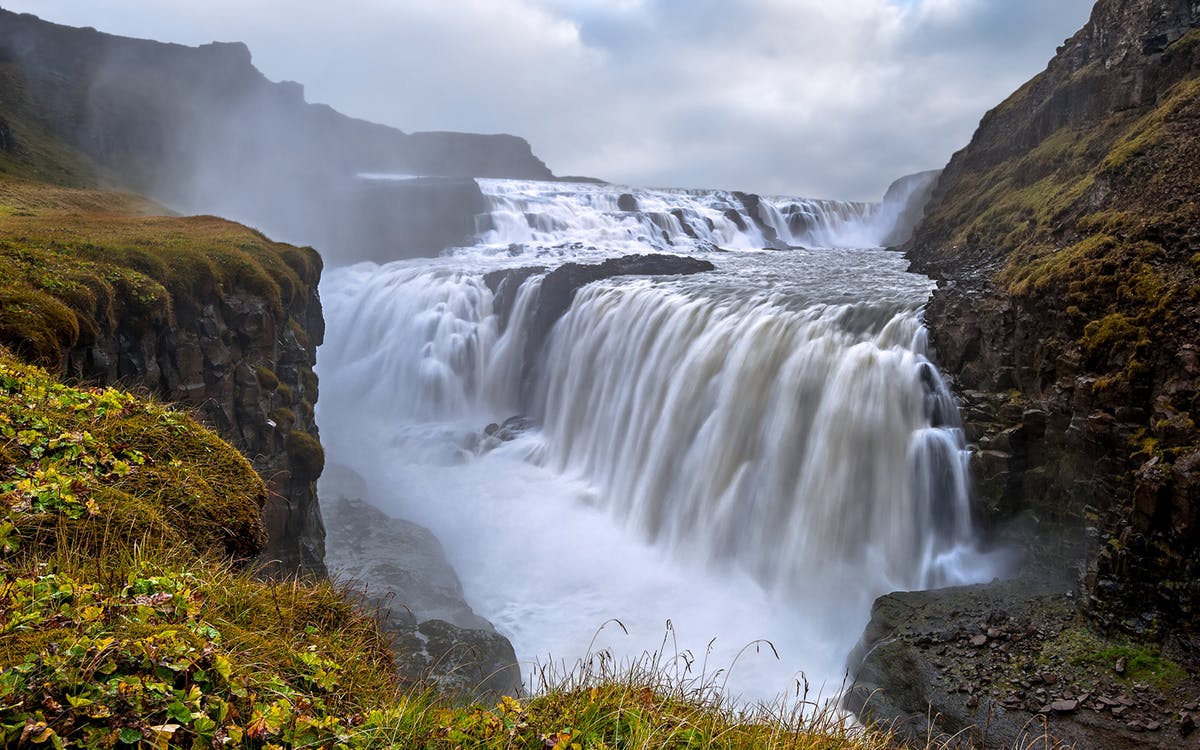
[(785, 96)]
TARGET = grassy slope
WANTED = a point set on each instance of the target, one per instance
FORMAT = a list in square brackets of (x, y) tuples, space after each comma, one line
[(126, 621), (74, 262), (126, 617)]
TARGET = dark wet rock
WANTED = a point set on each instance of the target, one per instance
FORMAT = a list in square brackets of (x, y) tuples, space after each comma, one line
[(401, 571), (626, 202), (560, 285), (682, 218), (753, 206), (495, 434), (1000, 693), (504, 286), (246, 367), (735, 216)]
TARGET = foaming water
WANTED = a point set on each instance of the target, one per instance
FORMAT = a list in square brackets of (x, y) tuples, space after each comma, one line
[(752, 453), (609, 217), (755, 436)]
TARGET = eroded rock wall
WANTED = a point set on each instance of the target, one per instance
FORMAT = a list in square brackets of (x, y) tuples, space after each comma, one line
[(245, 367)]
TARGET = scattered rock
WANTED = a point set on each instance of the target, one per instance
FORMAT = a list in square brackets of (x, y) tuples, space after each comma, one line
[(1064, 706)]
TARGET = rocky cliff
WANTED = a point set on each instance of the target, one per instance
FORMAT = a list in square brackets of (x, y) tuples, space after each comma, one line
[(197, 311), (1064, 239), (203, 131)]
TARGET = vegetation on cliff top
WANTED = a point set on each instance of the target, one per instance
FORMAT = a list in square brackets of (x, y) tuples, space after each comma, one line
[(74, 262)]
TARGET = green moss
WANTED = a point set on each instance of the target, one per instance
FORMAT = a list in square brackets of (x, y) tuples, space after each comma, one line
[(97, 257), (309, 383), (103, 468), (1154, 128), (306, 454), (267, 378), (1114, 333), (284, 419), (1142, 663), (299, 333)]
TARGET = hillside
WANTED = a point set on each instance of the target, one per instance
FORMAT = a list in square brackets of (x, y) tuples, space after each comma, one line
[(201, 130), (1064, 239), (1067, 231)]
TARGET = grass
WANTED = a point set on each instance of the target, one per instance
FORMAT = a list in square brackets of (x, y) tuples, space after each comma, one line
[(75, 263), (152, 632), (101, 464)]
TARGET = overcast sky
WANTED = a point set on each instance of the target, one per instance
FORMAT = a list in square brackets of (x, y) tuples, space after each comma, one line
[(828, 98)]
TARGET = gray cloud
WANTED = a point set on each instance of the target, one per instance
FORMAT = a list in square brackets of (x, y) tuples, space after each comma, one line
[(786, 96)]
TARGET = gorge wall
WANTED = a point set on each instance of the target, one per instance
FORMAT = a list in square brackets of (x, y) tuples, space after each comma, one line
[(196, 311), (1064, 241), (1064, 238)]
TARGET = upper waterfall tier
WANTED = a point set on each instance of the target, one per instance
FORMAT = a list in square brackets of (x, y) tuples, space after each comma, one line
[(613, 218)]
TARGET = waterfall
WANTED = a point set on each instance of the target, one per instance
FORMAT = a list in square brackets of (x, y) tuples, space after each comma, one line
[(770, 436), (633, 220), (749, 434)]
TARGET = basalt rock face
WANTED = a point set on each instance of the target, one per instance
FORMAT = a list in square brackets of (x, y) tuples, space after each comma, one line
[(202, 130), (246, 368), (1065, 242), (908, 197)]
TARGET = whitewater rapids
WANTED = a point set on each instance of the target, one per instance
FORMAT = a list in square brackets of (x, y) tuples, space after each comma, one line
[(754, 453)]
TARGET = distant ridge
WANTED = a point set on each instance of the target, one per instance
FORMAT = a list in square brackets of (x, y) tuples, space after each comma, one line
[(202, 130)]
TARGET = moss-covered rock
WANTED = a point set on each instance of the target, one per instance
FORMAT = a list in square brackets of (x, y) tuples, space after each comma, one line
[(93, 468), (103, 287)]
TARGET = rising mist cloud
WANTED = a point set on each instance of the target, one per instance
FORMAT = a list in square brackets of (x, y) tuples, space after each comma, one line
[(777, 96)]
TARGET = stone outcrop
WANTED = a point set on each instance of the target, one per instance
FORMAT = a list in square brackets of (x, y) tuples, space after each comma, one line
[(1011, 664), (1064, 241), (402, 572), (906, 199), (560, 285), (245, 367)]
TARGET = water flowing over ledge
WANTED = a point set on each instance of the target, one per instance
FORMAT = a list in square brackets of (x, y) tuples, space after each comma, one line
[(754, 452)]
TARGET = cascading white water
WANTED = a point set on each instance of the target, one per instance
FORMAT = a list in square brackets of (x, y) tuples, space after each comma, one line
[(753, 435), (755, 452), (587, 216)]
